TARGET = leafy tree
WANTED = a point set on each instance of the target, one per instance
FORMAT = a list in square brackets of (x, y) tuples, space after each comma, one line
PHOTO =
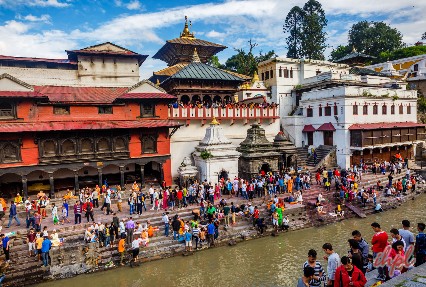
[(401, 53), (424, 36), (293, 25), (339, 52), (246, 63), (214, 61), (313, 36), (373, 38)]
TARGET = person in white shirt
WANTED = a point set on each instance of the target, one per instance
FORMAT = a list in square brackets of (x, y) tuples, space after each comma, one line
[(333, 261), (151, 193)]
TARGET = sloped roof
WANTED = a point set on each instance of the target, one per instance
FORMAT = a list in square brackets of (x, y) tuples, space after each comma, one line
[(21, 94), (364, 71), (376, 126), (194, 41), (308, 128), (205, 72), (80, 94), (170, 71), (354, 55), (326, 127), (40, 60), (146, 96)]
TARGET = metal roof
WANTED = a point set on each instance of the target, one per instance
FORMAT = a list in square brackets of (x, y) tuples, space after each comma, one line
[(9, 127), (354, 55), (308, 128), (205, 72), (41, 60), (365, 71), (18, 94), (80, 94), (146, 96), (376, 126), (194, 41)]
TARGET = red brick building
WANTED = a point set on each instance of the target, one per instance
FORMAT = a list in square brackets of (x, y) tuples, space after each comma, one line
[(55, 137)]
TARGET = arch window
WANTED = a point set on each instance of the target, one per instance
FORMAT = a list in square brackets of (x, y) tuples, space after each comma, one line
[(9, 152), (365, 110), (86, 146), (384, 110), (401, 109), (68, 147), (185, 99), (103, 145), (375, 109), (149, 144), (120, 144), (147, 110), (49, 148), (7, 110), (392, 109)]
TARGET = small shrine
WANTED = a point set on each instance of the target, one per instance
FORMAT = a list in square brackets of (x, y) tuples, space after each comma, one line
[(187, 172), (216, 156), (283, 145), (258, 155)]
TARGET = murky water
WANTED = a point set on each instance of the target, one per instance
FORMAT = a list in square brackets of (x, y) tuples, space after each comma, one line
[(270, 261)]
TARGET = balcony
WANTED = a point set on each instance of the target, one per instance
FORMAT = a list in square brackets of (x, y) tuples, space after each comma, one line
[(235, 113)]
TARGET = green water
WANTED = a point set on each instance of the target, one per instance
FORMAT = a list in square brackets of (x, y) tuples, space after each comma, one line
[(270, 261)]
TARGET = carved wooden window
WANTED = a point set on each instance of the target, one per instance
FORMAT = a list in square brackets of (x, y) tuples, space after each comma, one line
[(86, 146), (49, 148), (105, 110), (120, 144), (7, 110), (355, 109), (392, 109), (365, 110), (149, 144), (375, 110), (103, 145), (280, 73), (327, 111), (401, 109), (68, 147), (408, 109), (384, 110), (147, 110), (10, 152), (61, 110), (286, 73)]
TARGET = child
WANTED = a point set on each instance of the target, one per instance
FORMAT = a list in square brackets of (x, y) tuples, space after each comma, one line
[(202, 236), (188, 241), (64, 215), (55, 214), (370, 263)]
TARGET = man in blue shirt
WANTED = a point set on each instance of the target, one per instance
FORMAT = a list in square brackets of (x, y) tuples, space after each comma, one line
[(13, 214), (210, 233), (5, 243), (45, 248)]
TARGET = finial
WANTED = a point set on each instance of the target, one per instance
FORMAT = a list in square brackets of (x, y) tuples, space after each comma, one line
[(186, 33), (214, 122), (158, 82), (255, 77), (195, 57)]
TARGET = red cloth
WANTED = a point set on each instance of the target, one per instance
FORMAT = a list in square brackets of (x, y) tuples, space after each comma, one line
[(379, 241), (342, 276), (256, 213), (180, 194)]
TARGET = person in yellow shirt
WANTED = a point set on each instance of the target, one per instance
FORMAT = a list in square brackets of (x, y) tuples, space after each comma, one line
[(121, 249), (39, 242), (18, 199)]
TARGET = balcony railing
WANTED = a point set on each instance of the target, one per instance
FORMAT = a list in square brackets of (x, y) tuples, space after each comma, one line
[(183, 113)]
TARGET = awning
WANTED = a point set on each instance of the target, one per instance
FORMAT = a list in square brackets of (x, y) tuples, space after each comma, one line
[(85, 125), (327, 127), (308, 129)]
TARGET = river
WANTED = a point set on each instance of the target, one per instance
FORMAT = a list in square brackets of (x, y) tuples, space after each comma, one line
[(270, 261)]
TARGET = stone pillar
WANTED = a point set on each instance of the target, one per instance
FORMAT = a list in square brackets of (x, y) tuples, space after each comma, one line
[(142, 175), (122, 177), (25, 186), (52, 185), (100, 176), (76, 184)]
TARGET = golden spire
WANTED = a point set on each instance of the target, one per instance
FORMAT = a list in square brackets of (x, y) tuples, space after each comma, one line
[(195, 57), (214, 122), (255, 77), (186, 33)]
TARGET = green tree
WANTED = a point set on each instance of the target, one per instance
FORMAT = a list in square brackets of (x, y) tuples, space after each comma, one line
[(401, 53), (313, 36), (245, 62), (293, 25), (424, 36), (214, 61), (339, 52), (373, 38)]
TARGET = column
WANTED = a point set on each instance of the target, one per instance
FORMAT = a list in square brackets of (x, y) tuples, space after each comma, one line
[(52, 185), (122, 177), (142, 175), (100, 176), (161, 173), (76, 184), (25, 186)]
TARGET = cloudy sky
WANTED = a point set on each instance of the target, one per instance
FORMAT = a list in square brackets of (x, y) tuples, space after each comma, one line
[(45, 28)]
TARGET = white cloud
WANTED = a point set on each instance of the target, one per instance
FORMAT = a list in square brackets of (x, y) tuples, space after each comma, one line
[(134, 5), (31, 18), (39, 3), (215, 34)]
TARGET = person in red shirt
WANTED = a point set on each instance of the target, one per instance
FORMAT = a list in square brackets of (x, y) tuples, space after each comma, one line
[(255, 215), (179, 197), (88, 209), (379, 243), (348, 275)]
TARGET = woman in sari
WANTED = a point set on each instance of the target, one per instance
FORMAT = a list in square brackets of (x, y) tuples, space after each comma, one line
[(165, 199), (290, 185), (280, 216)]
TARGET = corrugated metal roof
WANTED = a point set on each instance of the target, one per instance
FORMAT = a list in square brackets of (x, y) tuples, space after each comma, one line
[(9, 127), (80, 94), (170, 71), (194, 41), (203, 71), (375, 126), (365, 71), (29, 59), (146, 96), (354, 55)]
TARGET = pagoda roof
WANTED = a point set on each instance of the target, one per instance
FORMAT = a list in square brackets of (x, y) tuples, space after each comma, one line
[(198, 70), (170, 71), (364, 71), (354, 55)]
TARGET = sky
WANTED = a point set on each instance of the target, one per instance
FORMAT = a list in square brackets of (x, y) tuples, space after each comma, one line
[(46, 28)]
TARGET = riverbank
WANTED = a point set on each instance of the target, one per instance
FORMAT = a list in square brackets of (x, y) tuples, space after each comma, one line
[(75, 257)]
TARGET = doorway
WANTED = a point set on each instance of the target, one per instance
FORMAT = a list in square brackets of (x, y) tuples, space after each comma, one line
[(310, 136), (328, 138)]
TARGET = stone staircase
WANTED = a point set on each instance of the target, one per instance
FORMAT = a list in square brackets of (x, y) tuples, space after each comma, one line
[(302, 156), (322, 151)]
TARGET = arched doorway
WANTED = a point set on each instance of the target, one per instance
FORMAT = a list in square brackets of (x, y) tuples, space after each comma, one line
[(64, 179), (265, 168), (152, 173), (185, 99), (227, 99), (111, 175), (88, 177), (10, 185), (38, 180), (217, 99), (207, 101), (196, 99), (223, 174)]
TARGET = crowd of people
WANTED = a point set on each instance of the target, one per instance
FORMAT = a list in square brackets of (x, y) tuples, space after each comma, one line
[(222, 104), (388, 255)]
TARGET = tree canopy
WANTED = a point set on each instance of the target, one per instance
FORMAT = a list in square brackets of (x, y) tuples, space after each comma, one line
[(306, 31), (424, 36), (373, 38), (243, 62), (401, 53)]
